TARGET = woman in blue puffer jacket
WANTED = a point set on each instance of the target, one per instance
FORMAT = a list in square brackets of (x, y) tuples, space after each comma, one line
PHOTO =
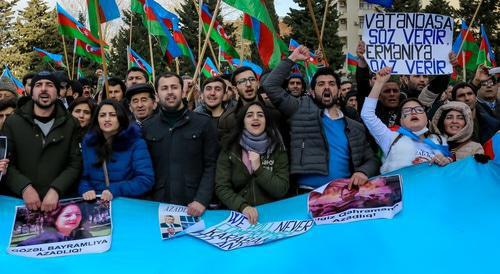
[(114, 147)]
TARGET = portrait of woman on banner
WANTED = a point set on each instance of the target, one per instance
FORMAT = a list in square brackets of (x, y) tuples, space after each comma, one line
[(61, 225)]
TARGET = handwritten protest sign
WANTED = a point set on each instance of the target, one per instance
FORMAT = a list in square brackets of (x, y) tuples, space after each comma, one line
[(336, 203), (410, 43), (236, 232), (74, 227), (174, 221)]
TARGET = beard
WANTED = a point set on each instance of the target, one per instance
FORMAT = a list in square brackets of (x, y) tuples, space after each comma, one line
[(44, 105), (327, 99)]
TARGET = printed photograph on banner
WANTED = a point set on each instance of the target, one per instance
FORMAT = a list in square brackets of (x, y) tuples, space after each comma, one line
[(174, 221), (410, 43), (236, 232), (74, 227), (334, 202)]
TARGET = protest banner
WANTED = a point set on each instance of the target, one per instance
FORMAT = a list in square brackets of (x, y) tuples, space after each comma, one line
[(175, 222), (236, 232), (336, 203), (410, 43), (74, 227)]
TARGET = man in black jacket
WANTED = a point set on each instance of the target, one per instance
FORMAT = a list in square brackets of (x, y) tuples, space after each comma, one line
[(45, 156), (325, 145), (183, 147)]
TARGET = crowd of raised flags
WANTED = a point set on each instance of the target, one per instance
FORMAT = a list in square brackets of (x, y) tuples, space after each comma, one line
[(257, 27)]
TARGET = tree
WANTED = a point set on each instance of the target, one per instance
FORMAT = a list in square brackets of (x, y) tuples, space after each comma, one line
[(36, 26), (440, 7), (8, 53), (6, 22), (189, 25), (304, 33), (488, 16), (405, 6)]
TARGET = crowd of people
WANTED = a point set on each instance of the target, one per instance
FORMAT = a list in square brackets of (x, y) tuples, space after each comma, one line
[(238, 140)]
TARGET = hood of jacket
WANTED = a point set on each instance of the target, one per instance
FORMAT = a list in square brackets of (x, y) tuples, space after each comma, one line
[(466, 132), (122, 141)]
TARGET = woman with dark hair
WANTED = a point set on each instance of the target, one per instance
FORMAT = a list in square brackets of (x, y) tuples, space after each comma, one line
[(454, 120), (412, 143), (62, 224), (82, 109), (116, 161), (252, 168)]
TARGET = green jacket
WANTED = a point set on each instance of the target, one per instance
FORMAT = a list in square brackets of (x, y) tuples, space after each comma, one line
[(44, 162), (237, 188)]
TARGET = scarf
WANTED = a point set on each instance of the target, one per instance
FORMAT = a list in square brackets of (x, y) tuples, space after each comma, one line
[(415, 137), (260, 144)]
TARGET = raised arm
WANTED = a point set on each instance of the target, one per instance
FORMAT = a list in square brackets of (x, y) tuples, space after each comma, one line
[(283, 101), (383, 135)]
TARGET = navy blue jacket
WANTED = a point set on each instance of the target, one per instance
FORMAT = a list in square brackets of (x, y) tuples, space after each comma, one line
[(130, 169)]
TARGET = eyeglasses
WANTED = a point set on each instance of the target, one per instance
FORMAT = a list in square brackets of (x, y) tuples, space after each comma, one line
[(417, 109), (244, 81), (489, 82)]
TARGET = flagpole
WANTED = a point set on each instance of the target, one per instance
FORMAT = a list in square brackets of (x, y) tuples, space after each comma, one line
[(130, 30), (201, 25), (316, 29), (463, 63), (65, 55), (73, 64), (101, 44), (470, 25), (151, 55), (204, 48), (177, 65), (242, 39), (324, 21)]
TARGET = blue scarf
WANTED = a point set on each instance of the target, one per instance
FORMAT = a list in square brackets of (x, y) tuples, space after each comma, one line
[(443, 149)]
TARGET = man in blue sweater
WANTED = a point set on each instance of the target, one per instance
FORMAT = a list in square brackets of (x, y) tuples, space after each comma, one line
[(325, 145)]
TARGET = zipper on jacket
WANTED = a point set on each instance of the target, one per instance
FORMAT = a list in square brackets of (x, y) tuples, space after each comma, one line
[(302, 152)]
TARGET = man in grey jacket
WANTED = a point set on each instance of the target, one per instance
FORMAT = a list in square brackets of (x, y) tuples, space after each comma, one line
[(325, 145)]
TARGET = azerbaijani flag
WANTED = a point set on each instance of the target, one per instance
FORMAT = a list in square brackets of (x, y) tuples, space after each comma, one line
[(50, 57), (8, 74), (469, 48), (136, 60), (157, 26), (79, 71), (108, 10), (70, 27), (86, 50), (352, 62), (209, 69), (485, 55), (138, 6), (383, 3), (218, 34), (270, 46), (293, 45), (256, 68), (170, 22), (311, 65)]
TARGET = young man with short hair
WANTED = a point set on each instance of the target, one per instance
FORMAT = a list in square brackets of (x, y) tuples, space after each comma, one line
[(183, 147), (136, 75), (43, 141)]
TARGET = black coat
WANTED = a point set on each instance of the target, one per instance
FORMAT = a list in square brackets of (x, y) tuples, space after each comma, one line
[(184, 158)]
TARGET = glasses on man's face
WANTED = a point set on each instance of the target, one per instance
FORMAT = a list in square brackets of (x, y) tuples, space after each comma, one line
[(487, 83), (409, 110), (244, 81)]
